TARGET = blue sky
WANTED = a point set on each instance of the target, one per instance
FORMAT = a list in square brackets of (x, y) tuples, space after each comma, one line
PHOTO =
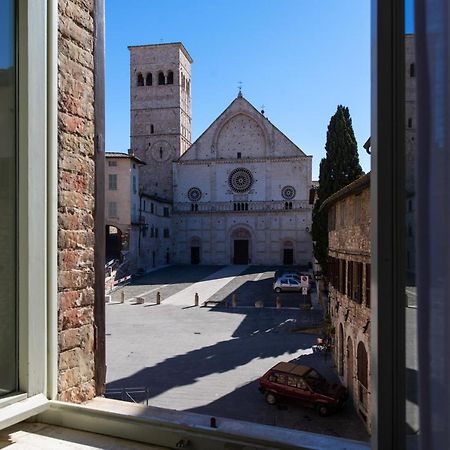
[(298, 58), (6, 34)]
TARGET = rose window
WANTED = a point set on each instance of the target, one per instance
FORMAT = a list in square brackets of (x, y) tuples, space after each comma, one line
[(288, 192), (240, 180), (194, 194)]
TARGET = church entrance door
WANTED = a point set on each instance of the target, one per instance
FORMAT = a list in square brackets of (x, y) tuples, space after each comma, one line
[(240, 251), (195, 255), (288, 256)]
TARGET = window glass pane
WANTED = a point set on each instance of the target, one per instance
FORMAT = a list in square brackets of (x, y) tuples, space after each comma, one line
[(412, 407), (112, 182), (8, 328)]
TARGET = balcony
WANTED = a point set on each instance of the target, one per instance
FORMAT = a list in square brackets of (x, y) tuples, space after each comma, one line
[(253, 206)]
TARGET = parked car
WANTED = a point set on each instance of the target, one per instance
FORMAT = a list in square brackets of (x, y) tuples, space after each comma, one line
[(303, 384), (287, 285), (297, 277), (280, 272)]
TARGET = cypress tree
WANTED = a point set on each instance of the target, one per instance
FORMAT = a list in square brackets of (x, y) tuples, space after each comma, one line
[(339, 168)]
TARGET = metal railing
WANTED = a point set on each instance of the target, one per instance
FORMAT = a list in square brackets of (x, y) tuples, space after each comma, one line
[(134, 395), (279, 205)]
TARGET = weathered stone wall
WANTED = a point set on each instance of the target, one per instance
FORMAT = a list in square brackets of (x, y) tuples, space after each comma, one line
[(160, 121), (351, 233), (349, 240), (76, 200)]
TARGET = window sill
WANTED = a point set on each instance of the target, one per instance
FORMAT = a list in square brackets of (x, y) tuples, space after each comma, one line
[(23, 408), (166, 428)]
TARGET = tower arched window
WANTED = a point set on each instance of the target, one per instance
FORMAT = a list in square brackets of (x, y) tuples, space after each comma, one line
[(412, 70), (183, 81), (409, 122), (149, 79), (188, 86), (170, 77), (152, 128), (161, 79), (140, 79)]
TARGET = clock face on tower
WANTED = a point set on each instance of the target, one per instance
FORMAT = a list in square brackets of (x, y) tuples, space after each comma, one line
[(162, 151)]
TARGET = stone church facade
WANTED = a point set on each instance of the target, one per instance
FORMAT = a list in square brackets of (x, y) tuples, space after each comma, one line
[(240, 192)]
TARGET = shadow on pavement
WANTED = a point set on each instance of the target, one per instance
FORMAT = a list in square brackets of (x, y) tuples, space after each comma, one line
[(251, 341)]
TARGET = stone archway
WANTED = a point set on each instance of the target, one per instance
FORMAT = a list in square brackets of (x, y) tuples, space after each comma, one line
[(341, 353), (241, 246), (350, 361), (113, 242), (362, 373)]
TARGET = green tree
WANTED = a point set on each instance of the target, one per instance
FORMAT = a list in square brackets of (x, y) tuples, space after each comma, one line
[(339, 168)]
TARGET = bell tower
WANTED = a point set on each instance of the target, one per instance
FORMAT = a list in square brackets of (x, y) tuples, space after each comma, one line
[(160, 101)]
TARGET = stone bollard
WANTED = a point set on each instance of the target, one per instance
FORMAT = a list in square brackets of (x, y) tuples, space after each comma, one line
[(140, 300), (233, 301), (158, 298), (279, 304), (122, 297), (259, 304), (196, 299)]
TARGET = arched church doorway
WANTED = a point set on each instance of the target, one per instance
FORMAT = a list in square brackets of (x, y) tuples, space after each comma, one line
[(113, 243), (195, 251), (241, 246), (288, 253)]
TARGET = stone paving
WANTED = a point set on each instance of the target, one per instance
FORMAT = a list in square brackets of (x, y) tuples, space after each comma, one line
[(209, 360)]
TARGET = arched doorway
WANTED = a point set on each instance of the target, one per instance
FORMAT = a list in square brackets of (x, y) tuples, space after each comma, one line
[(362, 369), (350, 365), (240, 239), (195, 250), (341, 350), (113, 243), (288, 253)]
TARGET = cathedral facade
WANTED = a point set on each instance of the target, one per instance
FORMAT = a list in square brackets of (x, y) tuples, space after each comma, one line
[(239, 193)]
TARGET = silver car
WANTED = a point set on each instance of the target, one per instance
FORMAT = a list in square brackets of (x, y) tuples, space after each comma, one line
[(286, 284)]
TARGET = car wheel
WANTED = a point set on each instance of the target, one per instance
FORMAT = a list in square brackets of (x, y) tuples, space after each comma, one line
[(278, 290), (323, 410), (270, 398)]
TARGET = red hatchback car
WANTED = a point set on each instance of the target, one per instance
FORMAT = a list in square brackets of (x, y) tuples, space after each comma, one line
[(304, 384)]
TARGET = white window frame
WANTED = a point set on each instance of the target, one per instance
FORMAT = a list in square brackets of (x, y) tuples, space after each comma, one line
[(37, 262), (37, 227)]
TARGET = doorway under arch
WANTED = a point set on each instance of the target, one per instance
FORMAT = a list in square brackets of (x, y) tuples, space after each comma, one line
[(350, 365), (341, 350), (195, 250), (113, 243), (362, 373), (288, 253), (241, 246)]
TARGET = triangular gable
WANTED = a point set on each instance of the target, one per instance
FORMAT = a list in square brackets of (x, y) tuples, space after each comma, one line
[(241, 130)]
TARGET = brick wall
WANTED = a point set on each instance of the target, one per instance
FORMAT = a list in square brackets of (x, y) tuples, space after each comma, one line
[(76, 200)]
